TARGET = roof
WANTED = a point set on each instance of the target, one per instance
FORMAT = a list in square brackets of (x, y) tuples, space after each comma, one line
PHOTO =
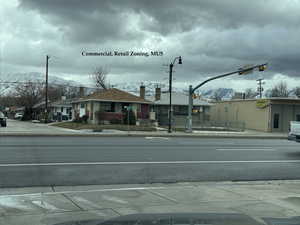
[(59, 103), (113, 95), (62, 103), (178, 99), (271, 99), (40, 104)]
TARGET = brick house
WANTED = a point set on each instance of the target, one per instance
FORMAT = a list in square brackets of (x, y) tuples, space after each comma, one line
[(110, 105)]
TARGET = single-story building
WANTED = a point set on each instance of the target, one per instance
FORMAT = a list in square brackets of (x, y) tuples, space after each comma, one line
[(110, 103), (269, 115), (58, 110), (38, 110), (62, 109), (180, 102)]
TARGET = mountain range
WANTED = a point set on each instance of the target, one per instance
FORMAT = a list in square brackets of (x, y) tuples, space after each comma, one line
[(8, 83)]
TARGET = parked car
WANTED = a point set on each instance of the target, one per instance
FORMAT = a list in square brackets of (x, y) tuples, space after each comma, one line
[(294, 131), (18, 116), (2, 119)]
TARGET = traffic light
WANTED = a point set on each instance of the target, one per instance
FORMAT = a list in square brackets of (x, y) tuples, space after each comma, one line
[(245, 70), (262, 67), (179, 60)]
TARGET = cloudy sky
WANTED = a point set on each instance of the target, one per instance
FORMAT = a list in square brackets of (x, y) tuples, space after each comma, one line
[(212, 36)]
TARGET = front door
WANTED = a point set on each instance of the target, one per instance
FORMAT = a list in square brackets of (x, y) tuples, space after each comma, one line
[(145, 111)]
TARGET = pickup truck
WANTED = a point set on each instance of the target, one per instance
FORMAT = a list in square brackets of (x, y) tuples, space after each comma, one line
[(294, 131)]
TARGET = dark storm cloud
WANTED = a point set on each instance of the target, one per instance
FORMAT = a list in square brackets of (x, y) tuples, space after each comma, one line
[(170, 15), (212, 36)]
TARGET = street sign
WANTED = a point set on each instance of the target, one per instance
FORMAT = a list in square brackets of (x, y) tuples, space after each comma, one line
[(261, 103)]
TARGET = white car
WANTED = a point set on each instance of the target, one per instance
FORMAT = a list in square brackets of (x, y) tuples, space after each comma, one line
[(18, 116), (294, 131)]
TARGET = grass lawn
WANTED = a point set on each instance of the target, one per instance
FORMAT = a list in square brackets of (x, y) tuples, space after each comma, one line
[(79, 126)]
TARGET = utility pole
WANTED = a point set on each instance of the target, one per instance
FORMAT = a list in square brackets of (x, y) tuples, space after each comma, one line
[(260, 89), (46, 91)]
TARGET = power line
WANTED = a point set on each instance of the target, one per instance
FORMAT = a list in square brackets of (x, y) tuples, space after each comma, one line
[(53, 84)]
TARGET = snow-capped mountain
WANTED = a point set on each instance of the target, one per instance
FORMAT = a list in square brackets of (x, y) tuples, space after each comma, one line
[(9, 81), (132, 87), (35, 77), (224, 93)]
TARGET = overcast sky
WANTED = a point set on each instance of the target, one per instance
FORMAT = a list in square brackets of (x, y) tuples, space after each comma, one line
[(212, 36)]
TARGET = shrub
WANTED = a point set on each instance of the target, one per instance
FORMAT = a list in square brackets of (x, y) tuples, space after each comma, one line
[(131, 117), (77, 119), (27, 114), (84, 118)]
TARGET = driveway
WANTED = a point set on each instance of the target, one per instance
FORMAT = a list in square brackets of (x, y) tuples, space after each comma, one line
[(26, 127)]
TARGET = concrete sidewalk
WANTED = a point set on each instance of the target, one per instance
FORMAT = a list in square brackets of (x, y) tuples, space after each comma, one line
[(50, 205), (19, 128)]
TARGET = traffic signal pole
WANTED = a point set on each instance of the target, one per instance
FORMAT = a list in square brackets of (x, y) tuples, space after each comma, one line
[(46, 91), (192, 90), (170, 98)]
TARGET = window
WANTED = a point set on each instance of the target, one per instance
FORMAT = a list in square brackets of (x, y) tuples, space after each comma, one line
[(82, 105), (108, 106), (276, 121), (298, 117)]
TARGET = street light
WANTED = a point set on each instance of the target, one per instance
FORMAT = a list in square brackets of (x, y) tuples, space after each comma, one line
[(241, 71), (170, 90), (46, 91)]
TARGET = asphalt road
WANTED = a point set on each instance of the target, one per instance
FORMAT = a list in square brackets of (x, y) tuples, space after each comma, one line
[(40, 161)]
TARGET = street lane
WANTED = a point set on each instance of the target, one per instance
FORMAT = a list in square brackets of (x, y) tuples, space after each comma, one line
[(127, 149), (36, 161)]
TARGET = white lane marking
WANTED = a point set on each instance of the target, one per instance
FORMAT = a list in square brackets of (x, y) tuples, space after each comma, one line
[(246, 149), (146, 162), (163, 138)]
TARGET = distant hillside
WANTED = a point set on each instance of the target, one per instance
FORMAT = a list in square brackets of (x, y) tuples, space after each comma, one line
[(7, 82), (132, 87)]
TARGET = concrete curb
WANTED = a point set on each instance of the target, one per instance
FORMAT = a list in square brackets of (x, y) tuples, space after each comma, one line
[(144, 135)]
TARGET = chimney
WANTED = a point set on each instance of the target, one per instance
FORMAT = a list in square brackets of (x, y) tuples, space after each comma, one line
[(142, 91), (157, 93), (63, 98), (81, 91)]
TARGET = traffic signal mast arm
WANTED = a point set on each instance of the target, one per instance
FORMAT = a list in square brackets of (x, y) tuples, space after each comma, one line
[(261, 67), (240, 71)]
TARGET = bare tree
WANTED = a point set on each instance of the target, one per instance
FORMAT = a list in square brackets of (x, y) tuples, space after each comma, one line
[(99, 77), (296, 90), (250, 93), (279, 90), (8, 101), (29, 93)]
